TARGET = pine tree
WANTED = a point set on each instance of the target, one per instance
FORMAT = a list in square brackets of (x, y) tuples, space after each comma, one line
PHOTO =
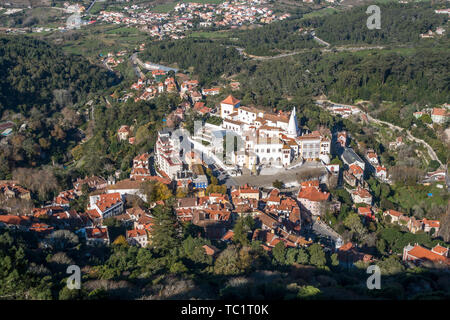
[(164, 233)]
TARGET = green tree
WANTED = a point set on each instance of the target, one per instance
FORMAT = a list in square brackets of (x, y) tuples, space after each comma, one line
[(155, 191), (279, 253), (278, 184), (291, 256), (164, 232), (381, 246), (317, 256), (242, 228), (308, 292), (227, 263), (302, 256), (334, 260)]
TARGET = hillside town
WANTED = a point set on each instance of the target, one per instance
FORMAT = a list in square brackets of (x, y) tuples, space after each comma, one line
[(267, 142), (239, 149)]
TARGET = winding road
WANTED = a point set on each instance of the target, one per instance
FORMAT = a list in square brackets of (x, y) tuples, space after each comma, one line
[(430, 150), (288, 54)]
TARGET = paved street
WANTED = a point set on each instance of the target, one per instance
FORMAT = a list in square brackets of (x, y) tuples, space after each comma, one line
[(287, 176), (322, 229)]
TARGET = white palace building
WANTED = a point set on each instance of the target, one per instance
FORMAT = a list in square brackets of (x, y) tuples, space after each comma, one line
[(271, 139)]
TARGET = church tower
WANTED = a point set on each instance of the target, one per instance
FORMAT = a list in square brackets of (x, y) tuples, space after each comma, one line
[(293, 126)]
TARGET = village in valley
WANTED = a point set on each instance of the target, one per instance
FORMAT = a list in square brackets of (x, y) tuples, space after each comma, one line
[(195, 168), (232, 169)]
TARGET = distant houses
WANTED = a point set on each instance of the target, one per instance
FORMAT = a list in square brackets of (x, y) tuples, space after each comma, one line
[(419, 255), (411, 223)]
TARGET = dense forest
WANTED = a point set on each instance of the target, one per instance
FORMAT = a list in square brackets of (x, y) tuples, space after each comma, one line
[(273, 38), (345, 77), (41, 89), (36, 74), (401, 24), (205, 58)]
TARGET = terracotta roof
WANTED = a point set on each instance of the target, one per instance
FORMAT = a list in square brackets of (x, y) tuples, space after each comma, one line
[(93, 214), (40, 212), (40, 227), (363, 193), (108, 200), (394, 213), (380, 168), (231, 100), (125, 184), (136, 233), (356, 170), (310, 183), (310, 136), (124, 129), (97, 233), (228, 236), (276, 117), (439, 249), (425, 254), (210, 250), (187, 202), (439, 112), (312, 194), (431, 223), (142, 157), (267, 220), (364, 210)]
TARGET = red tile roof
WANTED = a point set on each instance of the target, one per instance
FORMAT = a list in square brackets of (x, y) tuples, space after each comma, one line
[(362, 193), (425, 254), (439, 112), (440, 249), (108, 200), (380, 168), (364, 210), (431, 223), (97, 233), (394, 213), (231, 100), (356, 170), (210, 250), (313, 194), (136, 233), (228, 236)]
